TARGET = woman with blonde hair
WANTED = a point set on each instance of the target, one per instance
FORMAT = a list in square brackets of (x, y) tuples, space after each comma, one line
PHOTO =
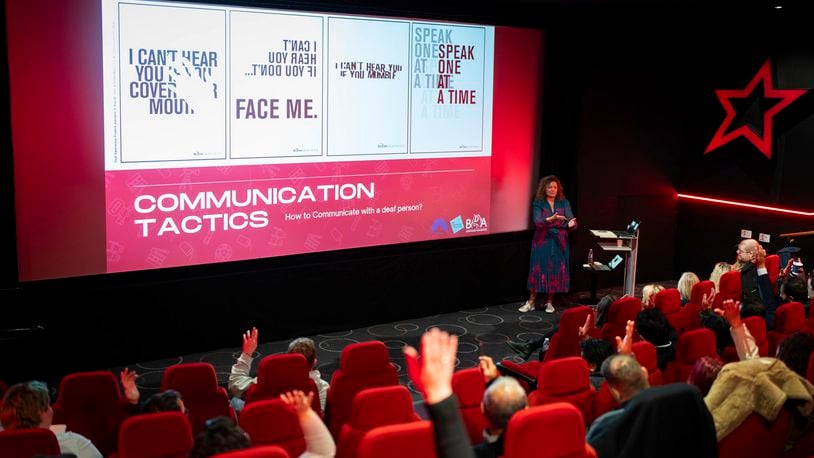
[(685, 284), (719, 269), (649, 295)]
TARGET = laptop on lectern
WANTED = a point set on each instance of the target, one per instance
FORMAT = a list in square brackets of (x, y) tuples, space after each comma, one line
[(630, 232)]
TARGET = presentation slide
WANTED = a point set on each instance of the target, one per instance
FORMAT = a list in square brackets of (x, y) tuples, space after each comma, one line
[(208, 133)]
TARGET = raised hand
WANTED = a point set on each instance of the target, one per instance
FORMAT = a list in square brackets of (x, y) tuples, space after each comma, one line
[(250, 342), (298, 400), (586, 328), (731, 312), (434, 373), (707, 300), (625, 346), (487, 368), (128, 380)]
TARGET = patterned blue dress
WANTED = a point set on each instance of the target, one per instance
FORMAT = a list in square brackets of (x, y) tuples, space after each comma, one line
[(550, 266)]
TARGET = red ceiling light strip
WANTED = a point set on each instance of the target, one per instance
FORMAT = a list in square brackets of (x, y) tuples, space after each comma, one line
[(745, 204)]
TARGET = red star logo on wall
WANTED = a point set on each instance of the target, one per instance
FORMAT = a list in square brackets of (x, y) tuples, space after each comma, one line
[(762, 142)]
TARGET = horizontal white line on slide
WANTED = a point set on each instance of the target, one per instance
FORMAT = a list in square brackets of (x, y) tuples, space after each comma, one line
[(303, 178)]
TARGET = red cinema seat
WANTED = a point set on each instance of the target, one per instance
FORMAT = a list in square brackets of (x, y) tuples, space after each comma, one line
[(362, 365), (272, 422), (773, 268), (199, 388), (788, 319), (468, 386), (620, 312), (406, 440), (165, 435), (25, 443), (374, 407), (692, 311), (756, 437), (91, 404), (669, 302), (729, 287), (691, 346), (565, 342), (604, 401), (278, 374), (565, 380), (646, 355), (757, 327), (267, 451), (554, 430)]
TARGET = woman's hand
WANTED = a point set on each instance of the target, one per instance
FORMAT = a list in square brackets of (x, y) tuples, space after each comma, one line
[(572, 223)]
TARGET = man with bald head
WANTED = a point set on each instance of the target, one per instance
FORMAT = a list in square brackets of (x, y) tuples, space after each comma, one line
[(502, 399), (757, 296), (626, 378)]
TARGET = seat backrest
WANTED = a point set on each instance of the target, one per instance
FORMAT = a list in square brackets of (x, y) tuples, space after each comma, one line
[(668, 301), (165, 434), (91, 404), (565, 380), (567, 337), (198, 386), (756, 437), (278, 374), (362, 365), (374, 407), (25, 443), (695, 344), (406, 440), (646, 355), (620, 312), (272, 422), (729, 287), (757, 327), (790, 318), (468, 386), (554, 430), (266, 451), (604, 401), (700, 289)]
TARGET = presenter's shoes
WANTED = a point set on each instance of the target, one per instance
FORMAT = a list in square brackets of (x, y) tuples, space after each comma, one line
[(526, 307), (522, 349), (549, 307)]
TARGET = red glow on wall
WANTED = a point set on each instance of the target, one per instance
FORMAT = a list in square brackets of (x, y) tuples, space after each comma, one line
[(735, 203)]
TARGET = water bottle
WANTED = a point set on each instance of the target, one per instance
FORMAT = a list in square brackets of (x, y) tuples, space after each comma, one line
[(590, 256)]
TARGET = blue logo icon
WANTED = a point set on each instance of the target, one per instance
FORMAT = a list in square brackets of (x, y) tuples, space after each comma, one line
[(439, 227), (457, 224)]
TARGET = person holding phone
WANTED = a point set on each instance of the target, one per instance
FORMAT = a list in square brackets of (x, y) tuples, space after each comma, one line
[(549, 267)]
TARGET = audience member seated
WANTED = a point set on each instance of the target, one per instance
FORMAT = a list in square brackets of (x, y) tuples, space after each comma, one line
[(595, 352), (501, 400), (432, 375), (795, 352), (761, 385), (165, 401), (240, 380), (653, 327), (685, 284), (649, 295), (27, 405), (704, 372), (719, 269), (626, 379), (756, 288), (744, 343), (318, 440), (220, 435), (664, 421)]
